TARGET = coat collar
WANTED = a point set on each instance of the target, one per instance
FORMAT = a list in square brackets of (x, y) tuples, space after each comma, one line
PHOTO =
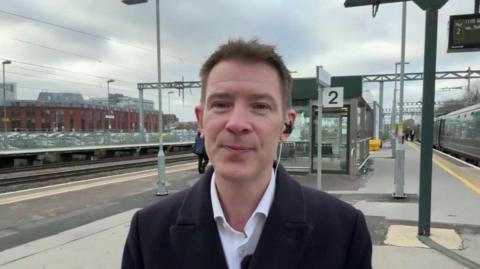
[(196, 240)]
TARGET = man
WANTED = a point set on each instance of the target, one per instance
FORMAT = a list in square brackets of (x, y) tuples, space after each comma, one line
[(199, 149), (243, 213)]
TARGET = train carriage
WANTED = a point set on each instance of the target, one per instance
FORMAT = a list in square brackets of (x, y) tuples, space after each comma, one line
[(458, 133)]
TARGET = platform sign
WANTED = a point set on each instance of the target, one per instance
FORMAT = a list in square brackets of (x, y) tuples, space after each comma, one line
[(464, 33), (333, 97), (109, 116)]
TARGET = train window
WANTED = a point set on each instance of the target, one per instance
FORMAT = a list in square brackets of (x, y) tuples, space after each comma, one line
[(469, 129), (459, 131)]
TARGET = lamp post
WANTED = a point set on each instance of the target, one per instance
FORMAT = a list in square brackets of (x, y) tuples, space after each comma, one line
[(399, 174), (4, 119), (108, 103), (394, 108), (161, 183)]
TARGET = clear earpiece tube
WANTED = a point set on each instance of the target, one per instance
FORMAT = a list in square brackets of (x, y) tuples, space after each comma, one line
[(278, 160)]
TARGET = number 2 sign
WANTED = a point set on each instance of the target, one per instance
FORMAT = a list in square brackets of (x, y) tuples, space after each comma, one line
[(333, 97)]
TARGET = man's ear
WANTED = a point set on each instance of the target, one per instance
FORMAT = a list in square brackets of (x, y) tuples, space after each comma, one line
[(290, 119), (199, 116)]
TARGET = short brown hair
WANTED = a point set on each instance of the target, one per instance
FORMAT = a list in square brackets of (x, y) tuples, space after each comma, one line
[(252, 51)]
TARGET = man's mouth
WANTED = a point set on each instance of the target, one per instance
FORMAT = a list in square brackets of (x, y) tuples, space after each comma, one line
[(237, 148)]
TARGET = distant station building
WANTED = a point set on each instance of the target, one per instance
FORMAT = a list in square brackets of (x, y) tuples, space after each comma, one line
[(10, 93), (119, 100), (57, 111)]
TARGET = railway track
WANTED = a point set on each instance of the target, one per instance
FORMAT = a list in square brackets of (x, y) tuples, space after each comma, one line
[(68, 171), (83, 162)]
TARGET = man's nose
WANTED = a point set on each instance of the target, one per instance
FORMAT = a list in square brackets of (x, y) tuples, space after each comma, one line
[(239, 120)]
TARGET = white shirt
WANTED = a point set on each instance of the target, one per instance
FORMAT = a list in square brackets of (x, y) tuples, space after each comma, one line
[(237, 245)]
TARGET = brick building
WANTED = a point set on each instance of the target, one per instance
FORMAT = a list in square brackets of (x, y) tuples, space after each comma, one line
[(71, 113)]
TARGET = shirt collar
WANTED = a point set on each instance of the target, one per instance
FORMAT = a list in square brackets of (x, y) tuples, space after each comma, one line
[(263, 206)]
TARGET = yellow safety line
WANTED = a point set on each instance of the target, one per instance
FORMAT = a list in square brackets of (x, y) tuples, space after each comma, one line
[(61, 190), (465, 181)]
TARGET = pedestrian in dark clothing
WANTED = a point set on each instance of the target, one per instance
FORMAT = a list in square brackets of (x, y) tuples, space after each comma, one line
[(199, 149)]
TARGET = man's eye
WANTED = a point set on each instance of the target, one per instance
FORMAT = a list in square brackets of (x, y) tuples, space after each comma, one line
[(220, 105), (261, 106)]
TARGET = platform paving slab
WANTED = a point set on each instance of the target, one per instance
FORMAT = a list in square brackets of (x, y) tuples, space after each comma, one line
[(390, 257), (406, 236), (95, 245)]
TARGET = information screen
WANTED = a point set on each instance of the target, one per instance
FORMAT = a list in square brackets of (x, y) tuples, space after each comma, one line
[(464, 33)]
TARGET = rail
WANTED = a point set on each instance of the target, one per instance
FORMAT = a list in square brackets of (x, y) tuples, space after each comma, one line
[(67, 171)]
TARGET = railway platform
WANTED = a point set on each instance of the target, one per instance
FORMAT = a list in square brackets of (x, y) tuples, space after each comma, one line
[(84, 224)]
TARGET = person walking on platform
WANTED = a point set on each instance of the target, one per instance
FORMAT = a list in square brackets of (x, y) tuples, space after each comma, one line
[(246, 211), (199, 149)]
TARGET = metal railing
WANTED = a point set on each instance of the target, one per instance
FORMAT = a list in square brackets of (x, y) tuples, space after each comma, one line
[(31, 140)]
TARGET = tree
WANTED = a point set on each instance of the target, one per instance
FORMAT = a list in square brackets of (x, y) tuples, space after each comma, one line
[(469, 98)]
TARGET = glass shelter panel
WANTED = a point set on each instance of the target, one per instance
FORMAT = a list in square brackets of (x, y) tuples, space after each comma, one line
[(295, 151), (334, 140)]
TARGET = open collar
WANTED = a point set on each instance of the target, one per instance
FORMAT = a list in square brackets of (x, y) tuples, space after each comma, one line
[(196, 240)]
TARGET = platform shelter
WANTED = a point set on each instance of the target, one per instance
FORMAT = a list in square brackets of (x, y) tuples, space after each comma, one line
[(345, 131)]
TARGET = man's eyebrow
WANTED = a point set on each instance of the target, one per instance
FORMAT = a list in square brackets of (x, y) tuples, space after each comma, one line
[(227, 95), (220, 95), (262, 96)]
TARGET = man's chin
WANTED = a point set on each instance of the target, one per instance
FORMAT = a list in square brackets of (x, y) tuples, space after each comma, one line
[(231, 170)]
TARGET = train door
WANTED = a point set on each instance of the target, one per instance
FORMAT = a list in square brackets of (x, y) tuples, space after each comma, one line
[(436, 132), (441, 133)]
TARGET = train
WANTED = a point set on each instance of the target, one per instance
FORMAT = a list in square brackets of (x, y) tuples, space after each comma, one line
[(458, 133)]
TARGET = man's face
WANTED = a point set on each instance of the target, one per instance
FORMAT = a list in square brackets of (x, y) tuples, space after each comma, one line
[(242, 119)]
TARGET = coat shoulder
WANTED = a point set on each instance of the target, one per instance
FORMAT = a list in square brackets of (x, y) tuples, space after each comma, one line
[(164, 211)]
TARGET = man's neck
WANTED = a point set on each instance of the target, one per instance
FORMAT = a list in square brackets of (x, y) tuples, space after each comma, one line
[(239, 199)]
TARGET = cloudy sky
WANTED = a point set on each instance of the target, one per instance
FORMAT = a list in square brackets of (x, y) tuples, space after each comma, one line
[(76, 46)]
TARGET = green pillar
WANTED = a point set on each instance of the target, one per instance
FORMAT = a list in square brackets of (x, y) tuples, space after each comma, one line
[(430, 60)]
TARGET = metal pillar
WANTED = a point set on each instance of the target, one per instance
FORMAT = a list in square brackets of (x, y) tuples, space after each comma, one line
[(4, 118), (109, 115), (141, 123), (402, 61), (352, 150), (427, 121), (323, 80), (363, 150), (468, 78), (381, 123), (319, 130), (161, 183), (376, 120), (399, 176), (394, 115)]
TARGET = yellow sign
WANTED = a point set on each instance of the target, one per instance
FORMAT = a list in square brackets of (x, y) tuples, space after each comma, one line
[(5, 120)]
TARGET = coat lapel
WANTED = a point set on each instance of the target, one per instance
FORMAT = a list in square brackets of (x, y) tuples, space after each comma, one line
[(194, 237), (197, 244), (286, 230)]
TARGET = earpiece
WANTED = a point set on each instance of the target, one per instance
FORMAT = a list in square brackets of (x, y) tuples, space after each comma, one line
[(288, 128)]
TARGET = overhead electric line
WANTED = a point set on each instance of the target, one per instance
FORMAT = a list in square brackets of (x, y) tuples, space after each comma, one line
[(79, 55), (75, 30), (48, 72), (68, 71), (95, 35), (54, 49), (68, 81)]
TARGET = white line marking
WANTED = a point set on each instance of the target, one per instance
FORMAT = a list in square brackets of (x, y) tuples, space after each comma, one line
[(87, 184)]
